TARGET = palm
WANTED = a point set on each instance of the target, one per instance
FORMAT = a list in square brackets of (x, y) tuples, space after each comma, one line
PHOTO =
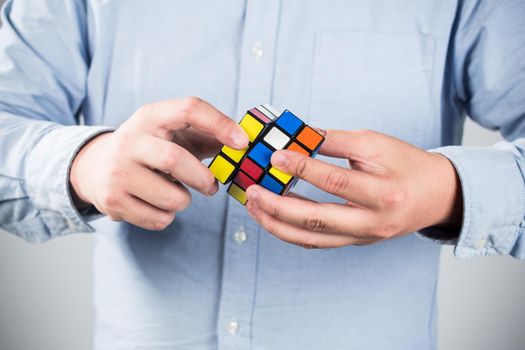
[(200, 144)]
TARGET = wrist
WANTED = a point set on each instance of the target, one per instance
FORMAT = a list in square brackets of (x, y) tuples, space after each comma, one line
[(81, 175), (450, 199)]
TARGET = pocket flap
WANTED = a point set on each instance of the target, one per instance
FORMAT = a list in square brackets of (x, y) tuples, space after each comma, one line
[(374, 54)]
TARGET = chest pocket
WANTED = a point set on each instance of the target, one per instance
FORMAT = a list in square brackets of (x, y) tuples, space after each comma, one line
[(373, 81)]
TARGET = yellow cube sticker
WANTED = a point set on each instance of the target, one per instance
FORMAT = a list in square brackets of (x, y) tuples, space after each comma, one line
[(235, 155), (221, 168), (252, 126), (280, 175), (237, 193)]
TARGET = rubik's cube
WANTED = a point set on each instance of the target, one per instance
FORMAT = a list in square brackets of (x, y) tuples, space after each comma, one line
[(268, 132)]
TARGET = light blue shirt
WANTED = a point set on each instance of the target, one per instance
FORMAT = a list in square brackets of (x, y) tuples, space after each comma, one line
[(214, 279)]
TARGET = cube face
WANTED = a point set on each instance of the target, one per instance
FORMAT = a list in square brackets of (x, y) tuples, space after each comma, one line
[(268, 131)]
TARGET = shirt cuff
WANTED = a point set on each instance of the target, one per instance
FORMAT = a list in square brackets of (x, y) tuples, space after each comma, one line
[(47, 178), (493, 200)]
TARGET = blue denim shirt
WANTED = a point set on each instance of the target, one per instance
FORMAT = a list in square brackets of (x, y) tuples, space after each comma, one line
[(214, 279)]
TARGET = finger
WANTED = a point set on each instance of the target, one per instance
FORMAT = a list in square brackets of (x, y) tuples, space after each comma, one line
[(352, 185), (157, 190), (176, 161), (328, 218), (349, 144), (367, 151), (182, 113), (142, 214), (297, 235)]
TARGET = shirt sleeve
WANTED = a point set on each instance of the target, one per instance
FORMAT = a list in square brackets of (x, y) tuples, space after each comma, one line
[(43, 68), (489, 75)]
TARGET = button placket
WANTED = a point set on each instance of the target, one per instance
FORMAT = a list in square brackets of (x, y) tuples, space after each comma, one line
[(241, 236)]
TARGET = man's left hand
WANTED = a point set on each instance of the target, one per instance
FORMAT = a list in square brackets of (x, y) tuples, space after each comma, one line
[(390, 188)]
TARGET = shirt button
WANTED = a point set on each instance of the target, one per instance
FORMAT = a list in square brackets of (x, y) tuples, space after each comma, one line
[(232, 327), (240, 236), (257, 50)]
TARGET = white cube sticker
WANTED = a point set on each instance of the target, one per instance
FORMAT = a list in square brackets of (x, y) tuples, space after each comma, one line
[(276, 138)]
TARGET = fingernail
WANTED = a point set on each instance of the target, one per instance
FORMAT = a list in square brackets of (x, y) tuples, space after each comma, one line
[(279, 160), (214, 190), (240, 139), (321, 131)]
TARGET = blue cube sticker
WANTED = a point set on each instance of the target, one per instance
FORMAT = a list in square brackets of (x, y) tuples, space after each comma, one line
[(261, 154), (289, 122), (271, 184)]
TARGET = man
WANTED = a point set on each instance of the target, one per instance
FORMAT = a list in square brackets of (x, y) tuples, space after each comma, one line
[(214, 278)]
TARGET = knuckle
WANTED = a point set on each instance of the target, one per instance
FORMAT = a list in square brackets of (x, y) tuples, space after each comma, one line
[(301, 169), (385, 231), (393, 199), (170, 158), (208, 180), (177, 202), (110, 199), (315, 223), (309, 243), (163, 221), (189, 104), (145, 110), (275, 211), (336, 181), (173, 204)]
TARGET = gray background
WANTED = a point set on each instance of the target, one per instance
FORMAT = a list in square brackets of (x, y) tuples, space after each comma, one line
[(46, 293)]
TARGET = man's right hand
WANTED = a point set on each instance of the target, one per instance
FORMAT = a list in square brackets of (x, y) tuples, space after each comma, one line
[(139, 172)]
